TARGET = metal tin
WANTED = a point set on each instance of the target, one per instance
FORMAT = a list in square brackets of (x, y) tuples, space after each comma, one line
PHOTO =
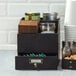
[(46, 16), (54, 16), (50, 16)]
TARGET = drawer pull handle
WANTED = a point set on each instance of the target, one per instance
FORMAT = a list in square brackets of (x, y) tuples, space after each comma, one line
[(70, 67), (70, 62), (35, 65), (36, 61)]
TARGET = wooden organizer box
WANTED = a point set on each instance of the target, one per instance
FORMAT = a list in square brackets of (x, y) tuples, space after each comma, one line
[(28, 26)]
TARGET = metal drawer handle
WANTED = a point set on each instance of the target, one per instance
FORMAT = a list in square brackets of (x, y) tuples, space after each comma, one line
[(70, 66), (70, 62), (35, 62), (35, 65)]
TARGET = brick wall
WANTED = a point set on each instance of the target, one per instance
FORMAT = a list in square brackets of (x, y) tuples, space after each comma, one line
[(12, 10)]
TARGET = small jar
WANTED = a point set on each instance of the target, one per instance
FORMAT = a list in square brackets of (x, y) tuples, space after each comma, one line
[(66, 49), (43, 27), (74, 47), (26, 16), (52, 27), (35, 16)]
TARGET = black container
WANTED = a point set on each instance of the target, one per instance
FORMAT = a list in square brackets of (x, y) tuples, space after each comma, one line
[(68, 60), (55, 22), (50, 16), (38, 43), (69, 64), (36, 63)]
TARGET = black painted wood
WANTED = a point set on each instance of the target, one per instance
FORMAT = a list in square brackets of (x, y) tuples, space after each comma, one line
[(49, 63), (69, 64), (38, 43)]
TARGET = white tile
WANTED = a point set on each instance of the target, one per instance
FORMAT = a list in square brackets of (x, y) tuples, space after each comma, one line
[(3, 0), (3, 8), (12, 37), (13, 1), (9, 24), (62, 35), (68, 73), (46, 1), (22, 1), (44, 73), (58, 7), (3, 37), (15, 9), (61, 23), (62, 38), (8, 47)]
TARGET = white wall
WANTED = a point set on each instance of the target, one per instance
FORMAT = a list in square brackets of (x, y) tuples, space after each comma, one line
[(12, 10)]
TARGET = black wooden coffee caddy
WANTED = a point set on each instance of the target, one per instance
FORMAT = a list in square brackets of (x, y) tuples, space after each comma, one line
[(37, 43)]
